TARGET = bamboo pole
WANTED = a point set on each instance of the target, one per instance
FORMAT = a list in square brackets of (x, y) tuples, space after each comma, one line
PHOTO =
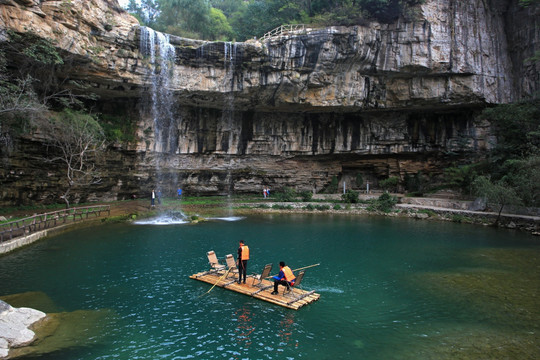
[(302, 268), (218, 280)]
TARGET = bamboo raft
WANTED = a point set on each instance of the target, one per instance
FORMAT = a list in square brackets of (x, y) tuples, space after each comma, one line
[(259, 289)]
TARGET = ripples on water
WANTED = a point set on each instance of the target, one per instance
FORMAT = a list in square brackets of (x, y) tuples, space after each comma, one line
[(389, 290)]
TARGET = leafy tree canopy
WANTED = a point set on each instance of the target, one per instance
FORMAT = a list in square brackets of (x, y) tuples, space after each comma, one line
[(241, 20)]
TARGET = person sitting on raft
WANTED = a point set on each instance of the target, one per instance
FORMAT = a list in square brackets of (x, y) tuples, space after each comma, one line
[(285, 277)]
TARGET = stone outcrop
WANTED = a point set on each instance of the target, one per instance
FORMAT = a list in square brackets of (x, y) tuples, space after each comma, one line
[(291, 110), (14, 326)]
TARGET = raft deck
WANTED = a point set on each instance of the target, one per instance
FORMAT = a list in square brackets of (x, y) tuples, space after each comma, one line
[(294, 299)]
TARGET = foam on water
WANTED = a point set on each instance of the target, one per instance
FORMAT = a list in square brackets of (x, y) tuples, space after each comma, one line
[(180, 218), (172, 218), (228, 218), (330, 290)]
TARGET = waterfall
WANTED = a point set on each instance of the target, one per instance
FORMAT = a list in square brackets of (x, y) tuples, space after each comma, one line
[(161, 55), (158, 102), (227, 118)]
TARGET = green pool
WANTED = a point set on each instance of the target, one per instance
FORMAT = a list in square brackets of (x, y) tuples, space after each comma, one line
[(390, 289)]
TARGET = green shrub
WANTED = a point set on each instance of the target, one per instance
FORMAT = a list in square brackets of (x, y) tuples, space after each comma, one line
[(430, 213), (288, 195), (389, 184), (385, 202), (309, 207), (459, 218), (416, 184), (322, 207), (282, 207), (350, 197), (337, 207), (306, 195), (359, 180), (332, 188)]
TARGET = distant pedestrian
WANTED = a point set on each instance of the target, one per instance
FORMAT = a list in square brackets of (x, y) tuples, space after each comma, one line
[(179, 193), (153, 198), (264, 193), (267, 192)]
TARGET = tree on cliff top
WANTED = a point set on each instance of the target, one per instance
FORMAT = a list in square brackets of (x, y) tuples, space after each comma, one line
[(213, 19), (75, 140)]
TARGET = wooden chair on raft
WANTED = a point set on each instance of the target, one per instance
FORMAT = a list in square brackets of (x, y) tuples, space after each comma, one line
[(215, 266)]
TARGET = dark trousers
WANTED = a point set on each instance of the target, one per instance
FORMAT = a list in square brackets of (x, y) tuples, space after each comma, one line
[(281, 282), (242, 269)]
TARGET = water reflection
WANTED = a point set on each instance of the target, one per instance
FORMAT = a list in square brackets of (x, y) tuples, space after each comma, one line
[(244, 327), (285, 332)]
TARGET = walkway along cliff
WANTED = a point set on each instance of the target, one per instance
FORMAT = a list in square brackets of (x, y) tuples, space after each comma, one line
[(294, 109)]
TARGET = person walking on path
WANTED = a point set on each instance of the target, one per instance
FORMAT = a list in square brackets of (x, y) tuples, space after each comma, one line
[(153, 198), (243, 257), (285, 277)]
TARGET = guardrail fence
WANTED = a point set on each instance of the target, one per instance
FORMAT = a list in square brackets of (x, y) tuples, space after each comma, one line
[(285, 29), (38, 222)]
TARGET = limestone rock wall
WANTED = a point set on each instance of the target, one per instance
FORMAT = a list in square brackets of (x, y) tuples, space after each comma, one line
[(292, 110)]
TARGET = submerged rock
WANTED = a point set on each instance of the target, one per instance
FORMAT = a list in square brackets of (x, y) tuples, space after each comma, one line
[(66, 330), (29, 332)]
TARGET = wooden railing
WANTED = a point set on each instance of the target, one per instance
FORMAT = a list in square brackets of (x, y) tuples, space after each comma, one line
[(284, 30), (38, 222)]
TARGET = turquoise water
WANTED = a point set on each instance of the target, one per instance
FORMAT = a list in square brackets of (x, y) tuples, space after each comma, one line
[(390, 289)]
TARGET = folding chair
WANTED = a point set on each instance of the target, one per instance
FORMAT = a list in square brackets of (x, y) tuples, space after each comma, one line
[(297, 281), (301, 294), (214, 263), (231, 264), (264, 274)]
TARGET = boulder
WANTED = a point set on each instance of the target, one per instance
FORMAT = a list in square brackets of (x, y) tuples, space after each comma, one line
[(479, 204), (14, 326)]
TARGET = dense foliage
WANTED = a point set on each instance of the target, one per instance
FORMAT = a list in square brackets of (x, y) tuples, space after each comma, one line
[(35, 96), (241, 20), (514, 164)]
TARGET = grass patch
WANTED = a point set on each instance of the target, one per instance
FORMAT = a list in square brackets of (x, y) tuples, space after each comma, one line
[(430, 213), (459, 218)]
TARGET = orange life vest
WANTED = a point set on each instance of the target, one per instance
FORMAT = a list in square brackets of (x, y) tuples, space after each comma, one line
[(289, 276), (245, 252)]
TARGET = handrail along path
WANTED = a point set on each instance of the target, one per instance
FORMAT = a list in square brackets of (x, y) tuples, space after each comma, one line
[(38, 222)]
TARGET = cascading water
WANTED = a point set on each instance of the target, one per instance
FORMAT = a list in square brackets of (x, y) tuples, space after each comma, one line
[(161, 55), (229, 50), (158, 102)]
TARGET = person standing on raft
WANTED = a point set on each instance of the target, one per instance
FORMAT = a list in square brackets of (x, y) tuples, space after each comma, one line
[(243, 257), (285, 277)]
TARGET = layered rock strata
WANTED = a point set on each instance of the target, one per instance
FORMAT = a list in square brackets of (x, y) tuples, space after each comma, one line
[(291, 110)]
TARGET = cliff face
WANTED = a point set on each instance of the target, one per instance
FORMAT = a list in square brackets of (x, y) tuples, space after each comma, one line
[(291, 110)]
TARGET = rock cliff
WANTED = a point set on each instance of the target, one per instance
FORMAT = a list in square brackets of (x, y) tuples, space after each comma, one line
[(294, 109)]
